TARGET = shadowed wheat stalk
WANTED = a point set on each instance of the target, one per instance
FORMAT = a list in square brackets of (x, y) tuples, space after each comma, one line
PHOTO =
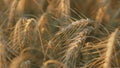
[(3, 52), (28, 58), (30, 7)]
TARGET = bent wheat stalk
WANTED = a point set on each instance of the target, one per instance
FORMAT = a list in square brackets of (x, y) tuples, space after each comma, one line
[(54, 62)]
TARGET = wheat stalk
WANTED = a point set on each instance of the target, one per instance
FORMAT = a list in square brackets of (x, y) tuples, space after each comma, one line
[(3, 52), (12, 12), (110, 46), (101, 12), (45, 65), (23, 34), (32, 7), (18, 61), (68, 32)]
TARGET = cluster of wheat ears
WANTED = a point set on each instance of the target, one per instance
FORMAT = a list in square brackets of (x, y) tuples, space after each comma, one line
[(59, 34)]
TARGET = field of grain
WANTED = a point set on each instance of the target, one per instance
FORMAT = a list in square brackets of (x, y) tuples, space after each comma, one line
[(59, 34)]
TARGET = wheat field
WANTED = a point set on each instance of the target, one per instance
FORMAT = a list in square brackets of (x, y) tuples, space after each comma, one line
[(59, 34)]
